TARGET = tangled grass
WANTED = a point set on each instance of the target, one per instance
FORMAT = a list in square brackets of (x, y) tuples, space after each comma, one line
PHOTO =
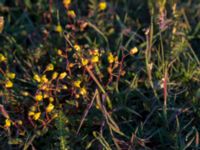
[(99, 74)]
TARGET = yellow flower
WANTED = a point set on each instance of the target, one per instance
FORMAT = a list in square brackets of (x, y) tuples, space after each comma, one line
[(38, 97), (7, 123), (83, 91), (77, 47), (37, 78), (50, 67), (44, 79), (77, 83), (55, 116), (44, 87), (66, 3), (11, 75), (64, 87), (33, 108), (24, 93), (71, 13), (94, 52), (59, 28), (102, 6), (123, 73), (95, 59), (37, 115), (59, 52), (31, 113), (9, 84), (19, 122), (111, 58), (55, 75), (84, 61), (77, 96), (2, 58), (71, 65), (133, 51), (51, 99), (50, 107), (62, 75), (45, 95)]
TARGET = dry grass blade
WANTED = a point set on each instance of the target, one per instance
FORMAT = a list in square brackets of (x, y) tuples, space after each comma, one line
[(87, 111), (1, 23), (3, 111)]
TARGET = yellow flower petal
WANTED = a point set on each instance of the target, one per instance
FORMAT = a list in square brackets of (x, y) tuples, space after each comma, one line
[(83, 91), (50, 107), (77, 96), (84, 61), (51, 99), (77, 47), (37, 78), (111, 58), (39, 97), (19, 122), (62, 75), (31, 113), (59, 28), (71, 13), (71, 65), (7, 123), (37, 115), (25, 93), (64, 87), (33, 108), (9, 84), (133, 51), (77, 83), (2, 58), (59, 52), (66, 3), (50, 67), (11, 75), (46, 95), (55, 75), (44, 79), (95, 59), (102, 6)]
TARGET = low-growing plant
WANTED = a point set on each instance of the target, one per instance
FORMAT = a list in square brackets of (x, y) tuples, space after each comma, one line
[(99, 74)]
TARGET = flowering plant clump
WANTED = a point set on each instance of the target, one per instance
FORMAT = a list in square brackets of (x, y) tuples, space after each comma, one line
[(99, 74)]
